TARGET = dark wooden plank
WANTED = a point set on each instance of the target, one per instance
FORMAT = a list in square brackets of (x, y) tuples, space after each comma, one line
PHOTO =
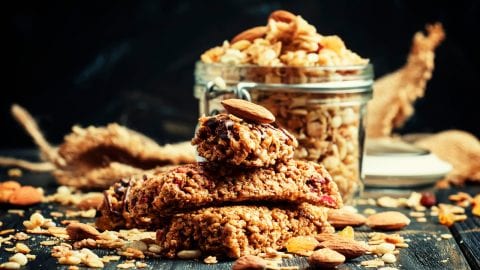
[(466, 233), (425, 251)]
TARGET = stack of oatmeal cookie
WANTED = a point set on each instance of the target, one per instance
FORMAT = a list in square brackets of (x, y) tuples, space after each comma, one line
[(248, 196)]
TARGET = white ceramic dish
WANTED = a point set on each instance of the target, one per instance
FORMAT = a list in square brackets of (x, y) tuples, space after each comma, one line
[(393, 163)]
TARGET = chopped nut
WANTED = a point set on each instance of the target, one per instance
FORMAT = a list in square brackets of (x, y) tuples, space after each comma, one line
[(36, 221), (401, 245), (19, 258), (91, 201), (140, 264), (414, 199), (446, 236), (21, 236), (70, 260), (109, 258), (14, 172), (384, 248), (126, 265), (461, 198), (417, 214), (133, 253), (79, 231), (210, 260), (56, 214), (421, 219), (85, 213), (373, 263), (394, 239), (451, 208), (16, 211), (48, 243), (386, 201), (7, 231), (369, 211), (22, 248)]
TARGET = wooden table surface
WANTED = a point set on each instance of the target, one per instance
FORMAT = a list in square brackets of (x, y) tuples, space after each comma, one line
[(425, 250)]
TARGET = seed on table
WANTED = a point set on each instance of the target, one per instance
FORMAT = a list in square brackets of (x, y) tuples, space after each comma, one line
[(446, 236), (20, 247), (37, 219), (10, 265), (189, 254), (384, 248), (19, 258), (389, 258)]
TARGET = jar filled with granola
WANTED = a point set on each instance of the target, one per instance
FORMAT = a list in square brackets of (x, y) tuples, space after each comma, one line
[(314, 85)]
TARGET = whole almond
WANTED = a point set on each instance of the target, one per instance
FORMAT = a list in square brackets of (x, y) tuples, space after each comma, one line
[(250, 34), (340, 218), (91, 202), (325, 258), (79, 231), (321, 237), (349, 248), (26, 195), (282, 16), (248, 111), (390, 220), (249, 262)]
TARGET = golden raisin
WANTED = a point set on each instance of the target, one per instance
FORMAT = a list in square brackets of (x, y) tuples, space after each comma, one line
[(347, 232), (300, 244)]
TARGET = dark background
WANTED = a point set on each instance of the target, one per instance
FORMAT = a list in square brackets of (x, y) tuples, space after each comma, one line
[(95, 62)]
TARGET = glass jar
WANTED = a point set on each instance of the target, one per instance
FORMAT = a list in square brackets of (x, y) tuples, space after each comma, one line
[(323, 107)]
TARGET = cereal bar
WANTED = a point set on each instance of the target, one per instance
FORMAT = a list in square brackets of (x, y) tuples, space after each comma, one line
[(145, 202), (234, 231), (229, 139)]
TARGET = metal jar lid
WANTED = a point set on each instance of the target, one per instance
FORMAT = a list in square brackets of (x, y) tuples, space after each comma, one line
[(240, 79)]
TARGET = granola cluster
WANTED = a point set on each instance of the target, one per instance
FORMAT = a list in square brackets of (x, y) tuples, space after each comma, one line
[(286, 40), (329, 135)]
